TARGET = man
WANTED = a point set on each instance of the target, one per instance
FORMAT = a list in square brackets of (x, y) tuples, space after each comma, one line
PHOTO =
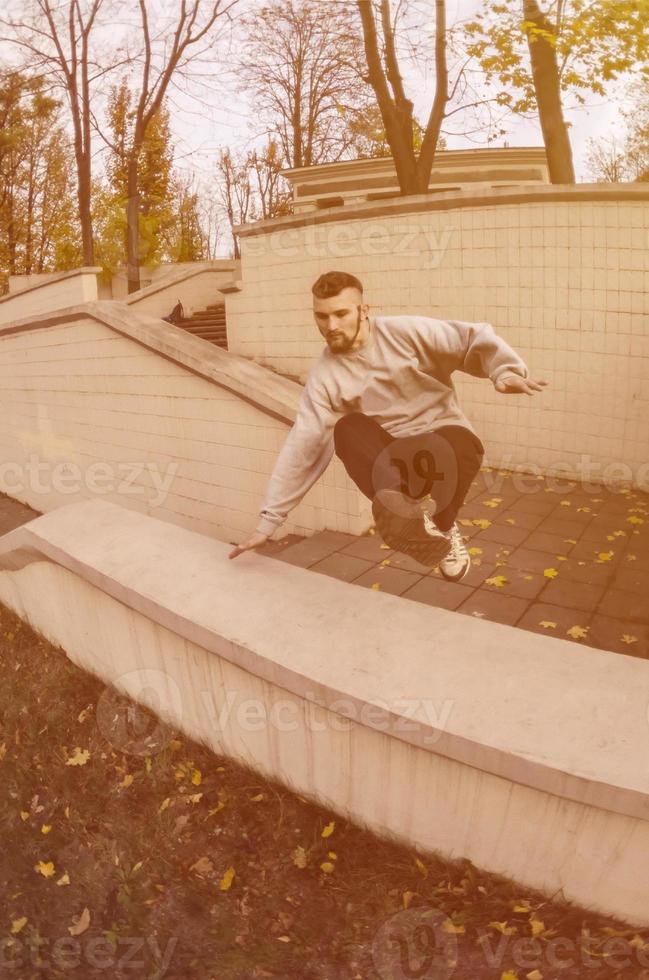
[(381, 397)]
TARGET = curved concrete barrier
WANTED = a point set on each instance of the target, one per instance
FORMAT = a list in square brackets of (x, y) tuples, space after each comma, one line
[(520, 752)]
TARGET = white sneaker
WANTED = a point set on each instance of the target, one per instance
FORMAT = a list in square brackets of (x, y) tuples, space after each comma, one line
[(406, 526), (456, 564)]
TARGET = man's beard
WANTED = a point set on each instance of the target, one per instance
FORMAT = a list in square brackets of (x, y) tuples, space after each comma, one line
[(349, 343)]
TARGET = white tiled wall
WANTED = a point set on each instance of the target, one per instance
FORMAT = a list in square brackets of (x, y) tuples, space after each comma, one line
[(566, 284), (80, 394)]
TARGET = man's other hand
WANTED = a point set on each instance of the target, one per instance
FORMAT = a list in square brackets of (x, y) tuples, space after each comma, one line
[(513, 384), (254, 541)]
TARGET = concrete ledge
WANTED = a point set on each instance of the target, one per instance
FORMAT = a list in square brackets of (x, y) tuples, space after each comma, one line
[(513, 749)]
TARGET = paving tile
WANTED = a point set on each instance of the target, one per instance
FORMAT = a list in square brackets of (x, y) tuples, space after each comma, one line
[(408, 563), (370, 547), (552, 544), (606, 633), (598, 529), (591, 572), (588, 551), (393, 580), (521, 518), (530, 560), (572, 595), (564, 528), (344, 567), (498, 608), (624, 605), (507, 534), (310, 550), (491, 552), (564, 618), (525, 585), (276, 546), (534, 502), (434, 592), (632, 580)]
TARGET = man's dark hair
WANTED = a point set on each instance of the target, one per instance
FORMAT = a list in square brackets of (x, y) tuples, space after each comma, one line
[(332, 283)]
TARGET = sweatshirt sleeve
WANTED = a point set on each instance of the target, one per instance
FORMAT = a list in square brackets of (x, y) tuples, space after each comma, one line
[(476, 349), (303, 458)]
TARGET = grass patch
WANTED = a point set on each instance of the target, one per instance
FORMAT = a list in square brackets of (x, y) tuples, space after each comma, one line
[(132, 851)]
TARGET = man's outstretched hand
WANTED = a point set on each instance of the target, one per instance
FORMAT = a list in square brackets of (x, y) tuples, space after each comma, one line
[(513, 384), (254, 541)]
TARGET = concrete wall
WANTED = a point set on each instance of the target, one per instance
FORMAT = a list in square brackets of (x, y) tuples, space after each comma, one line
[(202, 277), (50, 292), (103, 401), (561, 273)]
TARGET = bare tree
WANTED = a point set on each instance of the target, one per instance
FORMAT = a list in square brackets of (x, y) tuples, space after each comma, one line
[(300, 61), (236, 193)]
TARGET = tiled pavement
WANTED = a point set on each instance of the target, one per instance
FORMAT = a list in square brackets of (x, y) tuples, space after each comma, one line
[(547, 555), (570, 562)]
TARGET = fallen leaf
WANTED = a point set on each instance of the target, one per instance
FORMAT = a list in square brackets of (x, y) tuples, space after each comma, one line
[(226, 880), (79, 757), (283, 939), (376, 586), (537, 926), (329, 829), (46, 868), (534, 975), (481, 522), (127, 780), (384, 547), (196, 777), (81, 924), (497, 580), (45, 829), (454, 929), (635, 520), (503, 928), (18, 924), (299, 857), (604, 556), (407, 898), (327, 867), (547, 624), (202, 866), (474, 551), (577, 632), (510, 520), (64, 879), (628, 638), (257, 798), (550, 572), (422, 867)]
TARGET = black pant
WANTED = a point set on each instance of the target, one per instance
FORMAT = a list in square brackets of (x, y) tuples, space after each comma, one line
[(441, 463)]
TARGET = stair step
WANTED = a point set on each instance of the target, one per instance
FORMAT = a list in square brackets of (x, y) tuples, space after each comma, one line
[(201, 325), (211, 336), (207, 314)]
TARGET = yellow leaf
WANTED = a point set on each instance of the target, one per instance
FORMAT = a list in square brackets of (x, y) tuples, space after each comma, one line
[(148, 762), (547, 624), (605, 556), (371, 531), (64, 879), (577, 632), (631, 558), (510, 520), (257, 798), (24, 814), (202, 866), (46, 868), (534, 975), (283, 939), (385, 547), (465, 522), (407, 898), (81, 924), (521, 907), (497, 580), (451, 927), (550, 572), (164, 804), (491, 503), (332, 855), (329, 829), (45, 829), (196, 777), (635, 520), (195, 798), (376, 586), (226, 880), (327, 867), (18, 924), (571, 540), (79, 757), (422, 867), (474, 551), (503, 927), (299, 857), (127, 780), (584, 509), (537, 926), (565, 503), (386, 561), (509, 975), (561, 558), (219, 806), (481, 522), (628, 638)]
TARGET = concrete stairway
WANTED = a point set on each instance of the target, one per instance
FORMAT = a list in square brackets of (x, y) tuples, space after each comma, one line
[(209, 324)]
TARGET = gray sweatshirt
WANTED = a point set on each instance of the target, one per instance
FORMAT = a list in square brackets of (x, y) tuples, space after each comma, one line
[(401, 377)]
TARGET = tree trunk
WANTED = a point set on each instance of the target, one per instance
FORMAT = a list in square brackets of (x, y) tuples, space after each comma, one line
[(132, 222), (545, 74)]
